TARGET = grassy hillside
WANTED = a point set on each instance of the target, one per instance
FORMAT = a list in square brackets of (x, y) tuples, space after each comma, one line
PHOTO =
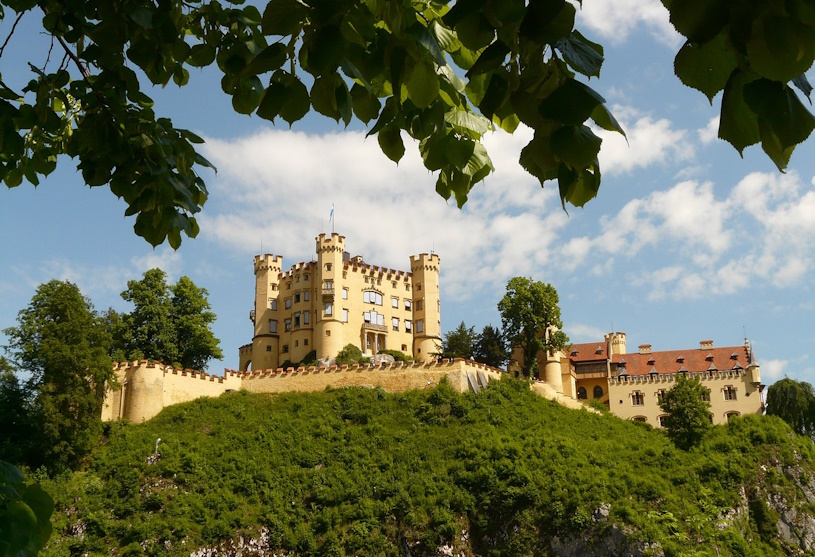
[(361, 472)]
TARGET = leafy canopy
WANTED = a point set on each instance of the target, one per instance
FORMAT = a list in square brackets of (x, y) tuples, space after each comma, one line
[(530, 316), (794, 402), (441, 74), (460, 342), (491, 347), (688, 411)]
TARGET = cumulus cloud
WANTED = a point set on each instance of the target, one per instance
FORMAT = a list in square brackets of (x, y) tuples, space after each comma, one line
[(583, 333), (709, 133), (772, 370), (615, 21)]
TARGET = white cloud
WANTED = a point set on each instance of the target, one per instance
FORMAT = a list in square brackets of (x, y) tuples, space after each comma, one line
[(709, 133), (166, 259), (579, 332), (647, 141), (614, 21), (771, 370)]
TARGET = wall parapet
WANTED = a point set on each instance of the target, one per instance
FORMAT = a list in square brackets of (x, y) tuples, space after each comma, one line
[(671, 377)]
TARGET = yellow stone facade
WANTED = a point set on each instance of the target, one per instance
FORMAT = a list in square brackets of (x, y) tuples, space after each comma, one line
[(631, 384), (336, 300)]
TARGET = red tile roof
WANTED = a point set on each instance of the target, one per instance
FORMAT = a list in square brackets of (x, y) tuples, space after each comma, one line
[(588, 352), (693, 359)]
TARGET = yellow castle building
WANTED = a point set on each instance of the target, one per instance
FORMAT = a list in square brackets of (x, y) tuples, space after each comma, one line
[(335, 300), (631, 385)]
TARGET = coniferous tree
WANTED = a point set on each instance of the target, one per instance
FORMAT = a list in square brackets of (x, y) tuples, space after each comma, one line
[(15, 415), (491, 347), (460, 342), (62, 344)]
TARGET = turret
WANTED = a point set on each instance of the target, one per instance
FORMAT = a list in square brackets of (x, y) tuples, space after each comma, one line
[(426, 306), (328, 336), (266, 315)]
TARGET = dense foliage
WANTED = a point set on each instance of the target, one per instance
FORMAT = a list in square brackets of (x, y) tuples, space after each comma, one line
[(169, 323), (794, 402), (491, 347), (25, 511), (687, 405), (361, 472), (460, 342), (395, 65), (61, 344), (530, 315)]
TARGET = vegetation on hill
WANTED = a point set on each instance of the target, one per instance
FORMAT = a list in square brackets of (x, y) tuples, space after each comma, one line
[(362, 472)]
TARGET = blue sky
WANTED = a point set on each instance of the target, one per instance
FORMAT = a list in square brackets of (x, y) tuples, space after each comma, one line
[(686, 240)]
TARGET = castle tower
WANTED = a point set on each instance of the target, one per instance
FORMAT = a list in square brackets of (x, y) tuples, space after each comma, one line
[(266, 315), (616, 343), (426, 306), (328, 337)]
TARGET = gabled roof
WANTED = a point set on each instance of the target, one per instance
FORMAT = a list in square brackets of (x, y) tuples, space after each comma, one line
[(588, 352), (692, 360)]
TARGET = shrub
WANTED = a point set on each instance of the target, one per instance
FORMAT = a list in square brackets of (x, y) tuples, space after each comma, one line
[(350, 354), (398, 355), (310, 359)]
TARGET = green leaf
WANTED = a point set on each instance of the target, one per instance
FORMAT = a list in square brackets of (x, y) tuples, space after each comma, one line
[(422, 85), (572, 103), (385, 117), (467, 123), (284, 17), (548, 21), (297, 104), (706, 67), (496, 95), (582, 54), (578, 187), (778, 105), (537, 159), (803, 85), (445, 37), (247, 95), (699, 20), (323, 98), (141, 15), (201, 55), (325, 50), (606, 120), (475, 32), (780, 48), (577, 146), (390, 141), (738, 124), (344, 102), (492, 57), (366, 105), (772, 145), (270, 58), (428, 41)]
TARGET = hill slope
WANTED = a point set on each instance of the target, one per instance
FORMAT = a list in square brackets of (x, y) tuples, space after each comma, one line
[(358, 471)]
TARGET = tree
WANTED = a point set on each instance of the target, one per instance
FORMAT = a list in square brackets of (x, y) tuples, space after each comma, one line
[(61, 342), (688, 411), (396, 64), (530, 316), (460, 342), (15, 415), (794, 402), (170, 324), (491, 347)]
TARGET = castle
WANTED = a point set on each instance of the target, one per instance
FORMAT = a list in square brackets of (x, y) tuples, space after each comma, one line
[(335, 300), (631, 385)]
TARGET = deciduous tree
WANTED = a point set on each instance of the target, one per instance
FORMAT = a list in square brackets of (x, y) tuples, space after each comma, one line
[(530, 316), (61, 342), (688, 411), (16, 415), (794, 402), (442, 74), (192, 317)]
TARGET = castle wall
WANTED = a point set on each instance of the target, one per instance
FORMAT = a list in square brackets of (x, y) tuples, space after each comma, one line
[(146, 389)]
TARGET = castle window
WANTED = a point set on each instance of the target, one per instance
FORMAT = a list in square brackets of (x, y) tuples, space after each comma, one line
[(581, 393), (729, 392), (273, 304), (296, 297), (661, 396), (598, 391), (373, 317), (420, 326), (407, 304), (285, 348), (329, 308), (419, 286), (297, 278), (328, 333), (395, 322), (288, 286), (288, 303), (394, 302), (419, 305), (273, 286), (328, 266), (371, 297), (296, 343), (366, 280), (306, 296), (730, 415), (407, 287), (328, 285), (305, 342), (393, 284), (305, 277), (306, 316), (408, 325), (287, 325), (637, 398), (344, 293), (404, 348), (344, 315), (272, 325), (639, 419), (297, 320), (705, 395), (268, 349), (662, 420)]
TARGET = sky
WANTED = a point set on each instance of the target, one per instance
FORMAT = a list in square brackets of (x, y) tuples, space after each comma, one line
[(686, 240)]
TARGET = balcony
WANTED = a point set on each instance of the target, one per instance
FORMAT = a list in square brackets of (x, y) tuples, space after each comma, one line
[(374, 327), (328, 293)]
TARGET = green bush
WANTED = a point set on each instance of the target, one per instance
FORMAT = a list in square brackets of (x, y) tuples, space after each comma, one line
[(398, 355), (310, 359), (349, 355)]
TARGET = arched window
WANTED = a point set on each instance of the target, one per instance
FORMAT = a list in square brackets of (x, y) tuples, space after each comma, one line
[(581, 393), (729, 415), (639, 419), (598, 392)]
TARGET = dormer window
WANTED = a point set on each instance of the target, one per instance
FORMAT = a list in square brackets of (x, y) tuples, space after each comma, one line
[(599, 350), (709, 357), (680, 358)]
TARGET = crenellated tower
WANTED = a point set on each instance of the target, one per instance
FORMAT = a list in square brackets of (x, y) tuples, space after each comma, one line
[(328, 335), (426, 306), (266, 315)]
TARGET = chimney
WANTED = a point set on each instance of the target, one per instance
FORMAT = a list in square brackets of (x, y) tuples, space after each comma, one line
[(705, 345), (645, 348)]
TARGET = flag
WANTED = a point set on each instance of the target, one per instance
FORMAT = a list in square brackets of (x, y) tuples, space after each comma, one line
[(331, 215)]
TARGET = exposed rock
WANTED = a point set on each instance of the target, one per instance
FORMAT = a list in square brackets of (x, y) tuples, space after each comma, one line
[(386, 359), (601, 543)]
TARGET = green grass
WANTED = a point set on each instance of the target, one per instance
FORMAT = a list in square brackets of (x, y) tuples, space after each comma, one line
[(362, 472)]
